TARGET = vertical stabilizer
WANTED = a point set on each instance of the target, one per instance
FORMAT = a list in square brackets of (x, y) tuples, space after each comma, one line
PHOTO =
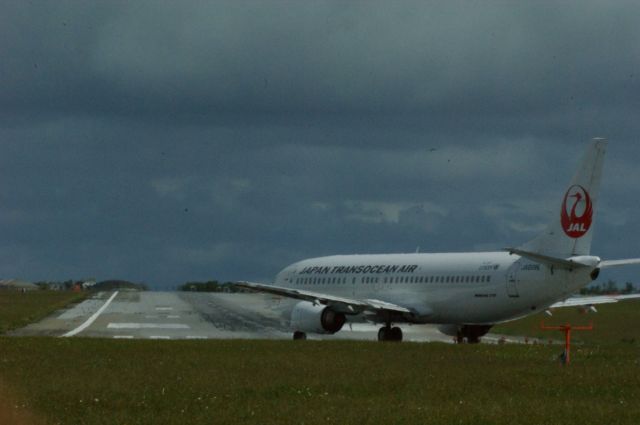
[(571, 229)]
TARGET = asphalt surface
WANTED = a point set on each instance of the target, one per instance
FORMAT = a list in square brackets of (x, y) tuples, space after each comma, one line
[(196, 315)]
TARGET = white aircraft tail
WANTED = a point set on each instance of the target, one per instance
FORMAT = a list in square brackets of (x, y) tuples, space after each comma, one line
[(570, 232)]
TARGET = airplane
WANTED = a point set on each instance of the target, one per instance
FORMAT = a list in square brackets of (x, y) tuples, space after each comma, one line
[(465, 294)]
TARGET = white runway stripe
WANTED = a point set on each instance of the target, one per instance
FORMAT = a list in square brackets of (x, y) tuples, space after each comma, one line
[(147, 326), (123, 337), (91, 319)]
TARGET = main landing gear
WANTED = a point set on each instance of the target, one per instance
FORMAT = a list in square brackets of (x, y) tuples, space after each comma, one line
[(299, 335), (389, 333)]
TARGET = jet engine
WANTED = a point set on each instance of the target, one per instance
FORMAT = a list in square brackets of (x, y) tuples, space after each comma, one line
[(471, 333), (316, 318)]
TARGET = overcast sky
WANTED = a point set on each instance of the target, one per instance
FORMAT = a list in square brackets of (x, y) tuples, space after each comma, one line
[(163, 142)]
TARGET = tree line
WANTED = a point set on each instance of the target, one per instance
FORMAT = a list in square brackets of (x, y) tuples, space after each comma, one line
[(210, 286), (609, 287)]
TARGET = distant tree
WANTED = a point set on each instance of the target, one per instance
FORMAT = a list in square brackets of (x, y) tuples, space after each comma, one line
[(611, 287), (593, 289), (209, 286), (628, 288)]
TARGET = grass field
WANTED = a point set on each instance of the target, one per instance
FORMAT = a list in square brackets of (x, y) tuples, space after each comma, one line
[(100, 381), (18, 309), (614, 323)]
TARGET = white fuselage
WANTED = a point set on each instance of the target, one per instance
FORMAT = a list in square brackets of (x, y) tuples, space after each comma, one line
[(463, 288)]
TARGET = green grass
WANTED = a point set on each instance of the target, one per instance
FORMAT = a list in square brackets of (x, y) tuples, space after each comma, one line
[(18, 309), (99, 381)]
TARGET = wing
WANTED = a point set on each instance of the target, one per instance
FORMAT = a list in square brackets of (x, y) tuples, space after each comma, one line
[(341, 304), (589, 301)]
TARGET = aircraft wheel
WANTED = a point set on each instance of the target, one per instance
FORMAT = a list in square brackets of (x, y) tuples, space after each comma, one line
[(299, 335), (384, 333), (396, 334)]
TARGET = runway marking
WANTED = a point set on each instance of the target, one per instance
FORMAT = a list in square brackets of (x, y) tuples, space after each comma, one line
[(195, 337), (159, 337), (123, 337), (91, 319), (147, 326), (173, 316), (151, 316), (164, 308)]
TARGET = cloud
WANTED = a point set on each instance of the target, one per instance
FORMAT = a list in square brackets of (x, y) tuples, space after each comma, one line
[(162, 141)]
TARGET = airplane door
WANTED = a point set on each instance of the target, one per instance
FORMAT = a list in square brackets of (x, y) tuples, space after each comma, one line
[(512, 281)]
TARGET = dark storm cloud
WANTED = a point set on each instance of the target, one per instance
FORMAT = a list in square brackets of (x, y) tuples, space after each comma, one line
[(165, 141), (314, 57)]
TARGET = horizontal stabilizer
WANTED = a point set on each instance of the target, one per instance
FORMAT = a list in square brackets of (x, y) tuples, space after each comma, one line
[(550, 261), (616, 263)]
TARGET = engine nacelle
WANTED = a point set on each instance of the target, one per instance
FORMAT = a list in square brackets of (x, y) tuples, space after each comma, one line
[(320, 319), (471, 332), (451, 330)]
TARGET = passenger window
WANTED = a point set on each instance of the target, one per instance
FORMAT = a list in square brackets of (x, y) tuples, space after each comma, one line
[(488, 278)]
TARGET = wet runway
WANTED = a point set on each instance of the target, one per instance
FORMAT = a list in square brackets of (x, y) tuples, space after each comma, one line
[(194, 315)]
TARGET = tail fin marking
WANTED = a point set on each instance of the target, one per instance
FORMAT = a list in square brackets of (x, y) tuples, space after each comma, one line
[(571, 233)]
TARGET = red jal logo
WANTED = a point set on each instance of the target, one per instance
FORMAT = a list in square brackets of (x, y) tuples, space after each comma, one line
[(577, 212)]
